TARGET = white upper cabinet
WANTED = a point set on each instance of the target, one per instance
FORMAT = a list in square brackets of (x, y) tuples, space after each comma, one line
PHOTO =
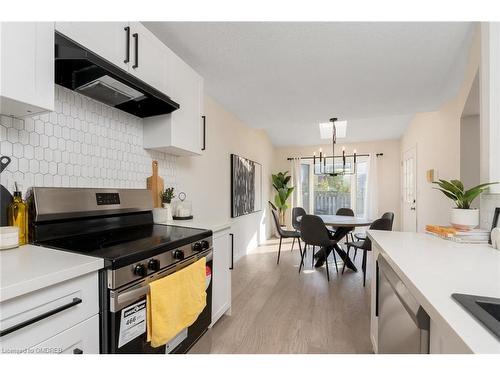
[(180, 132), (110, 40), (149, 57), (26, 68), (132, 47)]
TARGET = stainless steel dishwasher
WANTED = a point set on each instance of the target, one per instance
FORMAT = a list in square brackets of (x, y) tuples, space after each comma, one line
[(403, 325)]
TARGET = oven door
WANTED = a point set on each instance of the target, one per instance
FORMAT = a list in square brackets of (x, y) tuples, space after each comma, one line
[(127, 315)]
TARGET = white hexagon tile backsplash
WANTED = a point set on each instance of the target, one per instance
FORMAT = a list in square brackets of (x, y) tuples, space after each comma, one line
[(83, 143)]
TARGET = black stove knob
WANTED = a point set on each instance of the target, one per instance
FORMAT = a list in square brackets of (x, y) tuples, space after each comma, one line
[(178, 254), (197, 246), (140, 270), (154, 264), (205, 244)]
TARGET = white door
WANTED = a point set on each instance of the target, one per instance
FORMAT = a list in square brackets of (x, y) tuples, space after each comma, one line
[(409, 193), (149, 57), (110, 40)]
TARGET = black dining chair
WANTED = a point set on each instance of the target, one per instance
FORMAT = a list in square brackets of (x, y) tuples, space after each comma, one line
[(283, 233), (344, 211), (297, 212), (362, 236), (366, 244), (272, 205), (314, 233)]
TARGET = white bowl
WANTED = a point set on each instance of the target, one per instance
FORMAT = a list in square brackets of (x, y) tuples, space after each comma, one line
[(9, 237)]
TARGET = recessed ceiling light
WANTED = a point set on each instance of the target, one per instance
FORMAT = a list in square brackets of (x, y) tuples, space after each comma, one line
[(326, 129)]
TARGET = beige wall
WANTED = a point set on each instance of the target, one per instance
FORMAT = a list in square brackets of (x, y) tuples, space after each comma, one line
[(388, 168), (436, 136), (206, 178)]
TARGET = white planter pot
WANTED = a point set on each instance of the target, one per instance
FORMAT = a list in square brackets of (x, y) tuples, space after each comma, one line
[(168, 207), (464, 219), (159, 215)]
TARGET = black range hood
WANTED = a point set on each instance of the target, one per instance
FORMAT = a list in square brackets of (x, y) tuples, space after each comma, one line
[(83, 71)]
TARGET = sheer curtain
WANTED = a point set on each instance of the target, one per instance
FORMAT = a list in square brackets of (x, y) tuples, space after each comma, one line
[(371, 199), (296, 182)]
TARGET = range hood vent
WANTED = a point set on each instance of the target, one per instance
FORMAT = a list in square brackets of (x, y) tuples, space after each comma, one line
[(86, 73)]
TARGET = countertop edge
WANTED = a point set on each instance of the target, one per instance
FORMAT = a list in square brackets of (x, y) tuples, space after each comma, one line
[(17, 290)]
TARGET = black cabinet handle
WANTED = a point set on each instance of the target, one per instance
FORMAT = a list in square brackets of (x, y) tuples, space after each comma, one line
[(136, 37), (204, 133), (127, 46), (232, 251), (28, 322), (77, 351)]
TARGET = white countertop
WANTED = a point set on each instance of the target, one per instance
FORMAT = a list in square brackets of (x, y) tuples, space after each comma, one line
[(201, 224), (29, 268), (433, 269)]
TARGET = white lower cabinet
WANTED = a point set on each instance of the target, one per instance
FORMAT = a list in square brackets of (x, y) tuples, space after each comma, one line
[(80, 339), (221, 284), (53, 318)]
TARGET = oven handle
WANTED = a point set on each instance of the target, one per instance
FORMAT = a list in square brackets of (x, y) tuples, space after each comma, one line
[(135, 293)]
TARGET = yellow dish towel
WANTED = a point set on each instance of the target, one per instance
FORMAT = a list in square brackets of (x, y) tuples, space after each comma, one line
[(174, 302)]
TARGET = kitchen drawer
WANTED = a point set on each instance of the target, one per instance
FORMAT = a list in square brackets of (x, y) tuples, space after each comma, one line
[(80, 339), (44, 301)]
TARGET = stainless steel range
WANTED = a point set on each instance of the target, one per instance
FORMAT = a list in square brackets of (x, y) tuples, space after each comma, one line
[(117, 225)]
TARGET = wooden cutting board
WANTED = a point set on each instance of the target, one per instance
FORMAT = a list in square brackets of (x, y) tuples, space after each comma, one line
[(155, 184)]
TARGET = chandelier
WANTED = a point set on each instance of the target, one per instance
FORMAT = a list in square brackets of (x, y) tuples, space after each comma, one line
[(323, 169)]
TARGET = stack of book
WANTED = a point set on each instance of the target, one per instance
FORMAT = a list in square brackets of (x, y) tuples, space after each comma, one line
[(479, 236)]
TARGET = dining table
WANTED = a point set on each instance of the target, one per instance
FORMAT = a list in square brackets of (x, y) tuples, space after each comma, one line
[(342, 225)]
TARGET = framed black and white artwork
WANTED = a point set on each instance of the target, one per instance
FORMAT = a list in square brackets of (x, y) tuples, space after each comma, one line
[(246, 186)]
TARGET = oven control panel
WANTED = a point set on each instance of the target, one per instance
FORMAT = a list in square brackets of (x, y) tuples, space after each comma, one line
[(107, 198), (149, 266)]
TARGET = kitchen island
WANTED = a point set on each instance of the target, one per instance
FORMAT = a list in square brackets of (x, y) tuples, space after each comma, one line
[(432, 269)]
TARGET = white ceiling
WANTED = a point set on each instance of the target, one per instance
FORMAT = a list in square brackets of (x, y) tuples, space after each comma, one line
[(288, 77)]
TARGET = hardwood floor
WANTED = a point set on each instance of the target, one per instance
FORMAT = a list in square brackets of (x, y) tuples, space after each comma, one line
[(276, 310)]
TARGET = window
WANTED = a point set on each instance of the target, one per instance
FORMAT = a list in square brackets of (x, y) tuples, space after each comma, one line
[(324, 195)]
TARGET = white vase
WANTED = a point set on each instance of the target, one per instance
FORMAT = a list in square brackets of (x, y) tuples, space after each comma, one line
[(159, 215), (464, 219), (168, 207)]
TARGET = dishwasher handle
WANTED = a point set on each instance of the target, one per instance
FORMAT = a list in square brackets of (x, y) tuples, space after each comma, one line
[(411, 305)]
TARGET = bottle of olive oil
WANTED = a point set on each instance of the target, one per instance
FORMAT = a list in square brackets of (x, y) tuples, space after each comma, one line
[(18, 216)]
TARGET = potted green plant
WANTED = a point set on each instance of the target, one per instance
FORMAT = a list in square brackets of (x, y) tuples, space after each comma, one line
[(462, 216), (166, 200), (280, 184)]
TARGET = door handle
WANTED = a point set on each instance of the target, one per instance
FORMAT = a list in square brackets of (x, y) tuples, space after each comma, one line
[(28, 322), (232, 251), (127, 47), (136, 37), (204, 132)]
